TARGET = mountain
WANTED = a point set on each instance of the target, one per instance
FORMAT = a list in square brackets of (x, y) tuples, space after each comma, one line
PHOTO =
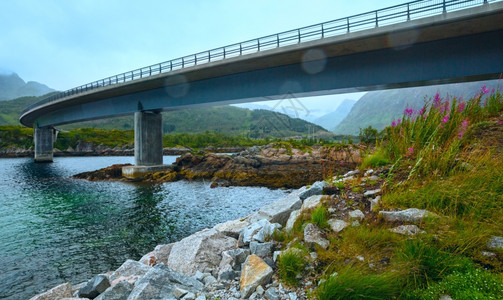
[(379, 108), (12, 86), (332, 119)]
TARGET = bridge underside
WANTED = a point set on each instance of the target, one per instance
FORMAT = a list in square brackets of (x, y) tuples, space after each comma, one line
[(467, 58)]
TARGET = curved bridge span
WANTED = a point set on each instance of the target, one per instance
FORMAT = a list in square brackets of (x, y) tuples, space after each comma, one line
[(418, 43)]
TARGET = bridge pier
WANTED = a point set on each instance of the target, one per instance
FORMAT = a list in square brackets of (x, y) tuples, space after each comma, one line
[(44, 143), (147, 138)]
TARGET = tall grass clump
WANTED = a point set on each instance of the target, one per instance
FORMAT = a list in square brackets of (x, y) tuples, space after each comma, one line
[(432, 137), (353, 283), (320, 216), (291, 263)]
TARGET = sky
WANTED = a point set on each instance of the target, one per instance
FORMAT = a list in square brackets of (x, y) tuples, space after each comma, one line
[(67, 43)]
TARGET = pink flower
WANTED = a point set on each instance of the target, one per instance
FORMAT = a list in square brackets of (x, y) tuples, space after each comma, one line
[(484, 90), (393, 124), (408, 112), (437, 101), (493, 91), (422, 111), (399, 121), (445, 119), (461, 106), (462, 128), (411, 151)]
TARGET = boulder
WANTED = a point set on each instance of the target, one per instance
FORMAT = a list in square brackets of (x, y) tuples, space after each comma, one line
[(351, 173), (130, 270), (337, 225), (94, 287), (495, 243), (356, 214), (412, 215), (315, 189), (291, 220), (61, 291), (374, 202), (311, 202), (313, 234), (261, 249), (255, 272), (371, 193), (120, 291), (239, 256), (271, 294), (158, 283), (232, 228), (258, 231), (200, 251), (279, 211), (407, 230)]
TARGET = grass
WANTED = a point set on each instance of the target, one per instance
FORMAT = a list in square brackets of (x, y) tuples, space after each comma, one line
[(291, 263), (354, 283), (319, 216)]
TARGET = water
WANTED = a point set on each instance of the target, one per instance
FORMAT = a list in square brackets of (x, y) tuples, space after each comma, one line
[(54, 229)]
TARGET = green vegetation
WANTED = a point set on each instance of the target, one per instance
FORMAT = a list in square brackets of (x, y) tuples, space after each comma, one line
[(16, 136), (319, 216), (291, 263), (446, 157)]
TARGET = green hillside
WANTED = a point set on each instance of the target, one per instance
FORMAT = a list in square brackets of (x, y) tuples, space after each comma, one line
[(379, 108), (12, 86)]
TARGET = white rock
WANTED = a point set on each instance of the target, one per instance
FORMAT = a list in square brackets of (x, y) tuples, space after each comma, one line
[(291, 220), (232, 228), (496, 243), (371, 193), (374, 202), (407, 230), (356, 214), (279, 211), (130, 270), (258, 231), (337, 225), (179, 293), (351, 173), (313, 234), (200, 251), (412, 215), (311, 202), (61, 291)]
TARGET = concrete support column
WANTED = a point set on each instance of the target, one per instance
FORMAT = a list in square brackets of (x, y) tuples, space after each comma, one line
[(44, 142), (147, 138)]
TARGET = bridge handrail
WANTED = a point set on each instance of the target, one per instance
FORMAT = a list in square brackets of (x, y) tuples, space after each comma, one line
[(391, 15)]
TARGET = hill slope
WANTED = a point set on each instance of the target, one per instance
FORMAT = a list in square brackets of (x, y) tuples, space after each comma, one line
[(331, 120), (12, 86), (379, 108)]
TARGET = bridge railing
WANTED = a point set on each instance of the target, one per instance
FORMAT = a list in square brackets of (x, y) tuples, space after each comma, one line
[(392, 15)]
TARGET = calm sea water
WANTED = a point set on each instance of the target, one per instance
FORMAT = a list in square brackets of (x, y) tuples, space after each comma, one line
[(55, 229)]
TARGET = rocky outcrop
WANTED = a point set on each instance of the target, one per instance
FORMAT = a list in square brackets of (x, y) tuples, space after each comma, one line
[(94, 287), (410, 215), (255, 272), (61, 291)]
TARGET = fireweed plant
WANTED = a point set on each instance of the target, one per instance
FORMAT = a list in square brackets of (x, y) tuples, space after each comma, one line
[(431, 138)]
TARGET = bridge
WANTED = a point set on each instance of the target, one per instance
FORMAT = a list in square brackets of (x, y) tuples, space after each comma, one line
[(417, 43)]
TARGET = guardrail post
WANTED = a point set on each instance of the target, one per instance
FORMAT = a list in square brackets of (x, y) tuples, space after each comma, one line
[(485, 2), (195, 59), (408, 12), (183, 63), (298, 32), (347, 21), (322, 31), (444, 7), (224, 52), (171, 65), (377, 20), (277, 40), (258, 45), (240, 49)]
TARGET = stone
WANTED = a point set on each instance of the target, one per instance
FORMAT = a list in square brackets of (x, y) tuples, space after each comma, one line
[(407, 230), (130, 270), (374, 202), (148, 259), (495, 243), (260, 290), (445, 297), (311, 202), (94, 287), (179, 293), (199, 251), (228, 275), (369, 172), (239, 256), (261, 249), (61, 291), (356, 214), (189, 296), (271, 294), (201, 297), (371, 192), (351, 173), (412, 215), (313, 234), (255, 272), (292, 296), (226, 264), (275, 255), (355, 223), (315, 189), (232, 228), (209, 280), (161, 253), (258, 231), (279, 211), (120, 291), (488, 254), (291, 220), (337, 225), (160, 282)]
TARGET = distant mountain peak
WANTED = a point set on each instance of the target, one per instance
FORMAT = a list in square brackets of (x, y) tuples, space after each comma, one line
[(12, 86)]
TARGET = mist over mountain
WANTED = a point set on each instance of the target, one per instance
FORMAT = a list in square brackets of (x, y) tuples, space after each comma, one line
[(332, 119), (12, 86), (379, 108)]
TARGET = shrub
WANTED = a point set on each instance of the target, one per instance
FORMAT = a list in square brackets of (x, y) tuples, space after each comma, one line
[(377, 159), (290, 264)]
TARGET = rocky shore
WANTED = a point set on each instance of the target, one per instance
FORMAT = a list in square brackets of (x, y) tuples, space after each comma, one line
[(239, 259), (90, 149), (273, 166)]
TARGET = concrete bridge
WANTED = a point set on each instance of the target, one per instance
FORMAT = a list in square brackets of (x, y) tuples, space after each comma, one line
[(417, 43)]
